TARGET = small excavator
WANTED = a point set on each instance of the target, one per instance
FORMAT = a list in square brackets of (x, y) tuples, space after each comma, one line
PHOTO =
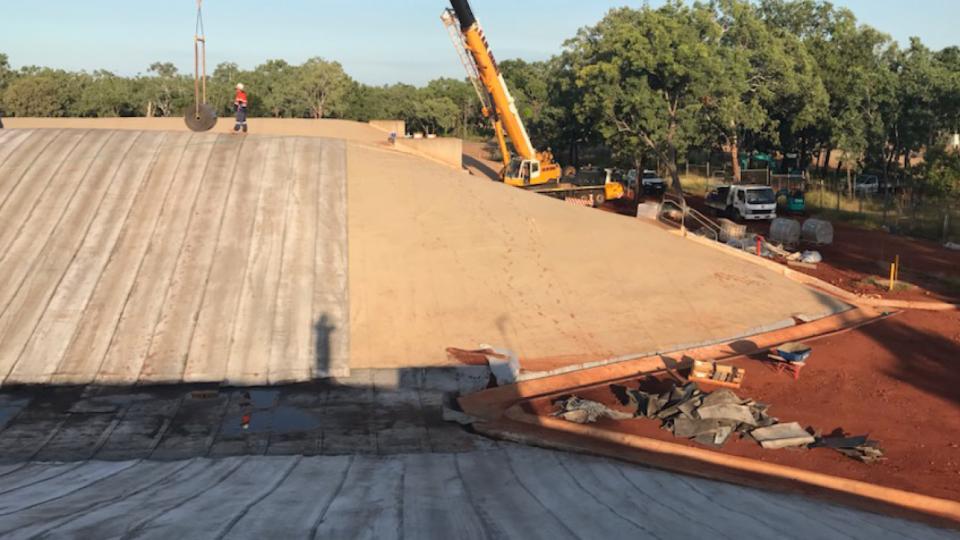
[(528, 169)]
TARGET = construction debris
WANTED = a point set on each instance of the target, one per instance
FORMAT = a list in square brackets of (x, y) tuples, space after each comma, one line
[(730, 230), (717, 374), (811, 257), (503, 364), (708, 418), (782, 436), (459, 417), (583, 411), (860, 448), (711, 418)]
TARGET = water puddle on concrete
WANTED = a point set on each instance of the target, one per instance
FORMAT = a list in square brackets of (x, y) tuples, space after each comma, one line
[(255, 412)]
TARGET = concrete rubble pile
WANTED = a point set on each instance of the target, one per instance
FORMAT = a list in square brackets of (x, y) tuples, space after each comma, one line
[(712, 418), (709, 418)]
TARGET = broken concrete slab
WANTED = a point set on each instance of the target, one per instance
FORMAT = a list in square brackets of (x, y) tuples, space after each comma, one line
[(584, 411), (782, 436), (722, 397), (693, 427), (740, 414)]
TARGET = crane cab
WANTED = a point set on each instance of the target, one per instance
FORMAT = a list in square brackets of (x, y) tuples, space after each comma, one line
[(522, 172), (530, 172)]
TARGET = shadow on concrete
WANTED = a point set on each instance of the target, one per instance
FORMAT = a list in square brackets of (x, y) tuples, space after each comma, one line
[(378, 412), (322, 331), (480, 168)]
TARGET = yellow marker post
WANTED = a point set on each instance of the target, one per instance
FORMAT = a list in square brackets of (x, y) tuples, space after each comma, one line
[(893, 274)]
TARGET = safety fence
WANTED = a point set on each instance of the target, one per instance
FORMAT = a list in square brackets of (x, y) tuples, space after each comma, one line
[(906, 207)]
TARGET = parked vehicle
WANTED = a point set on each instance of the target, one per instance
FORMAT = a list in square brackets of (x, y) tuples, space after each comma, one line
[(647, 182), (792, 202), (653, 184), (866, 184), (747, 202)]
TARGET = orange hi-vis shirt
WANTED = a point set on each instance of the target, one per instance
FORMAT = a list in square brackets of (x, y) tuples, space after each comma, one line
[(241, 99)]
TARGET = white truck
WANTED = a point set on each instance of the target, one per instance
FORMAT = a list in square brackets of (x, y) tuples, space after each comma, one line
[(744, 202)]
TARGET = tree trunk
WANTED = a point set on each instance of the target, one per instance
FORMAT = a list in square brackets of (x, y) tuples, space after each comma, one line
[(735, 158), (849, 181), (638, 165), (803, 157)]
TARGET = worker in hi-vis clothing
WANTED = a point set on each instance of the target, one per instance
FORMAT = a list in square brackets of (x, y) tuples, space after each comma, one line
[(240, 102)]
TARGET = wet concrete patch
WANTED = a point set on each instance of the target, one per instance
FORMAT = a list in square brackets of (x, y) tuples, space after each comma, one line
[(377, 414)]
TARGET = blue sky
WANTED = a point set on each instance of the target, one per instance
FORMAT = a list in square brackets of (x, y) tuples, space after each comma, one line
[(378, 41)]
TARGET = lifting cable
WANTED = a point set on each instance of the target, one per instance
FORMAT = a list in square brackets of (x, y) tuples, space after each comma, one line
[(199, 58), (200, 117)]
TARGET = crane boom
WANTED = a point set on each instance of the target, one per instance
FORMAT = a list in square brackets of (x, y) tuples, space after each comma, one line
[(529, 167)]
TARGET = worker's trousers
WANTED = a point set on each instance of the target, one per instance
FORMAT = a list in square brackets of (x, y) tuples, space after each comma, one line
[(241, 119)]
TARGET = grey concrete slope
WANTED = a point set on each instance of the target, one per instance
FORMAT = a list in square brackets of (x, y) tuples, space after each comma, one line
[(132, 256), (507, 492)]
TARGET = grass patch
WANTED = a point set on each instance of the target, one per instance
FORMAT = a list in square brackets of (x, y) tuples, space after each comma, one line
[(884, 284)]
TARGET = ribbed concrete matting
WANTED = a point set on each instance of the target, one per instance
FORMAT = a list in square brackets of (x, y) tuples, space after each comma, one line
[(133, 256), (509, 492)]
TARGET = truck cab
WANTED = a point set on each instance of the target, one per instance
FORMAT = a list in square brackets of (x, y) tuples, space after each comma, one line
[(747, 202)]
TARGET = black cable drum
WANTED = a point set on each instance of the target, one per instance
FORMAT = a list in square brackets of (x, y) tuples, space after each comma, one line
[(203, 121)]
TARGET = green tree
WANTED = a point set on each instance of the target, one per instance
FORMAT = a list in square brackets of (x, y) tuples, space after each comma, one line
[(105, 94), (6, 74), (645, 74), (942, 171), (324, 86), (167, 92), (274, 90), (41, 92), (850, 61), (763, 70), (462, 94)]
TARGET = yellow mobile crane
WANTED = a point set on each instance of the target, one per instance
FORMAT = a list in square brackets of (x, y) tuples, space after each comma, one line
[(530, 169)]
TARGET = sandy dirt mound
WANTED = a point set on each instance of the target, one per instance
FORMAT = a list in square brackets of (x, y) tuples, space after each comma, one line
[(439, 258)]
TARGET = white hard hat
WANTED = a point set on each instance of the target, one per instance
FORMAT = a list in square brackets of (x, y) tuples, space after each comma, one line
[(239, 86)]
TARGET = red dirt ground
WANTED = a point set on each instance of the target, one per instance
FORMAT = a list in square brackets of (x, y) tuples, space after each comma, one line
[(860, 257), (897, 380)]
